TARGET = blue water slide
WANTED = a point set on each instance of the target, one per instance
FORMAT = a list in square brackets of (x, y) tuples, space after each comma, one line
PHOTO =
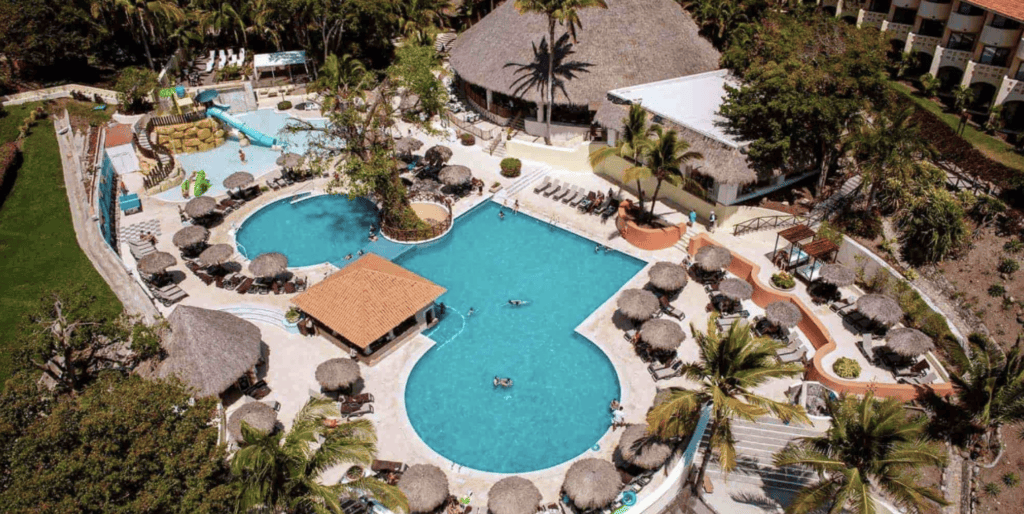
[(254, 135)]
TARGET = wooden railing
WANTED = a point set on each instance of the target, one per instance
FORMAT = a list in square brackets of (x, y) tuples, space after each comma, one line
[(177, 119), (767, 222), (422, 234), (472, 129), (153, 151)]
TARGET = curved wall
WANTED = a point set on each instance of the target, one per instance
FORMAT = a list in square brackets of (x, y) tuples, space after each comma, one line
[(647, 238)]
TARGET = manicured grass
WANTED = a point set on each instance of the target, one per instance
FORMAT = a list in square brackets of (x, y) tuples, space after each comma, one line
[(993, 148), (38, 249)]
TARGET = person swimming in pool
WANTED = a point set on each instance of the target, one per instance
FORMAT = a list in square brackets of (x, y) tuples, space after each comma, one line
[(517, 303), (360, 252), (348, 257), (501, 215), (470, 313), (502, 382)]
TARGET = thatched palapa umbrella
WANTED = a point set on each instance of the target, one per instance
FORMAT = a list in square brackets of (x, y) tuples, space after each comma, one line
[(290, 160), (425, 486), (647, 454), (238, 179), (190, 236), (268, 264), (837, 275), (662, 334), (667, 276), (156, 262), (215, 255), (880, 308), (337, 373), (408, 145), (736, 289), (455, 175), (592, 483), (909, 342), (712, 258), (258, 415), (200, 206), (783, 314), (638, 304), (513, 495), (437, 155)]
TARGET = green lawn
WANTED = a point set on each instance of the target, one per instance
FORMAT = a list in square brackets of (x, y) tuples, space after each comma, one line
[(993, 148), (38, 249)]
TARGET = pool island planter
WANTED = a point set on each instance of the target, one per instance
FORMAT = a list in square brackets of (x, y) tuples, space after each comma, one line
[(406, 236), (646, 238)]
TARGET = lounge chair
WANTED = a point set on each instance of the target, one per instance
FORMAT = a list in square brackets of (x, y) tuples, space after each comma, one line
[(794, 346), (841, 306), (245, 285), (289, 288), (556, 186), (665, 373), (387, 465), (609, 211), (546, 183), (574, 192), (561, 193), (359, 398), (206, 278), (630, 335), (667, 308), (866, 347), (928, 379), (587, 202), (364, 409), (579, 198), (798, 356), (169, 297)]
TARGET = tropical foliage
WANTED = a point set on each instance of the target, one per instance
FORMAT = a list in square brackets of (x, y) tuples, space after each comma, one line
[(933, 227), (889, 150), (635, 132), (989, 387), (133, 87), (664, 157)]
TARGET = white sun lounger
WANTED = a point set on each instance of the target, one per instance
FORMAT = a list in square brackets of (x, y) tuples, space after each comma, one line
[(574, 192), (579, 198), (543, 185), (555, 187), (797, 356), (665, 373), (563, 192)]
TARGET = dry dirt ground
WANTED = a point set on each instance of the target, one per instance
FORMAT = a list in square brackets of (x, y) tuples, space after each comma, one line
[(1010, 498)]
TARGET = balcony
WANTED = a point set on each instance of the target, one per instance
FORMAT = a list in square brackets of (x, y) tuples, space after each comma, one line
[(907, 4), (871, 19), (935, 10), (993, 36), (898, 31), (965, 23)]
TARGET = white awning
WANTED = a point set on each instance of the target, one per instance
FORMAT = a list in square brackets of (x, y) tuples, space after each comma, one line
[(124, 159), (278, 59)]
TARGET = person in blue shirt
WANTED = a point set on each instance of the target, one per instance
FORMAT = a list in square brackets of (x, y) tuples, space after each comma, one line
[(693, 217)]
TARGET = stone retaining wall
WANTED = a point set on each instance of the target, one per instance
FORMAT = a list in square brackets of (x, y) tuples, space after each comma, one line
[(53, 93)]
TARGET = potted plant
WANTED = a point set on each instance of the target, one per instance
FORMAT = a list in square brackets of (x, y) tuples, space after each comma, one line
[(293, 315), (511, 167), (495, 186), (783, 281), (846, 367), (354, 473), (467, 139), (284, 105)]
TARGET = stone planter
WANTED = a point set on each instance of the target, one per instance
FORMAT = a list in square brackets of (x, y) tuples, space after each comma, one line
[(495, 188), (646, 238), (777, 288)]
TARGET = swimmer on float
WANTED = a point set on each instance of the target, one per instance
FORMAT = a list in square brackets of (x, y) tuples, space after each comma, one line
[(502, 382), (517, 303)]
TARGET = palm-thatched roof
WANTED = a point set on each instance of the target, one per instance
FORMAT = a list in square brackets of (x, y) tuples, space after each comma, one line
[(455, 175), (880, 308), (268, 264), (837, 275), (408, 145), (783, 314), (200, 206), (592, 483), (238, 179), (216, 254), (437, 155), (736, 289), (209, 350), (425, 486), (156, 262), (637, 449), (909, 342), (290, 160), (513, 495), (638, 304), (712, 258), (662, 334), (667, 276), (258, 415), (632, 42), (337, 373), (190, 236)]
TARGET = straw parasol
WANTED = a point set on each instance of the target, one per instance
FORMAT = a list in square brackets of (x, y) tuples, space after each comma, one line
[(592, 483), (880, 308), (215, 255), (909, 342), (438, 155), (712, 258), (408, 145), (783, 314), (735, 289), (425, 486), (238, 179), (258, 415), (290, 160), (638, 304), (837, 275), (156, 262), (455, 175), (667, 276), (513, 495), (209, 350), (190, 236), (650, 454), (662, 334), (268, 264), (337, 373), (200, 206)]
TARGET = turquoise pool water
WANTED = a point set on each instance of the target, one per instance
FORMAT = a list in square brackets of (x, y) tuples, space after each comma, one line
[(312, 231), (558, 406), (224, 160)]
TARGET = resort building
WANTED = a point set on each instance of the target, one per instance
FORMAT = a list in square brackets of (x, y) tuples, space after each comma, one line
[(370, 303), (974, 43)]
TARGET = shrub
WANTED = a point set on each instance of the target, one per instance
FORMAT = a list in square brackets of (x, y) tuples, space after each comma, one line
[(292, 315), (930, 85), (934, 325), (783, 280), (860, 223), (933, 227), (1014, 246), (511, 167), (996, 290), (1011, 479), (134, 85), (1008, 265), (467, 139), (284, 105), (831, 232), (992, 489), (846, 367)]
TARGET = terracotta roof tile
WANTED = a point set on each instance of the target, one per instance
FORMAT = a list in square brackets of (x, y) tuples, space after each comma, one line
[(118, 135), (366, 299), (1010, 8)]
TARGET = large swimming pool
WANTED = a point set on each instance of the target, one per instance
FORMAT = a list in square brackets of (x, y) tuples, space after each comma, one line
[(558, 406), (224, 160)]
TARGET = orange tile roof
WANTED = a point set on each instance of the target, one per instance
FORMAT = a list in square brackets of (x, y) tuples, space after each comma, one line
[(118, 135), (1010, 8), (366, 299)]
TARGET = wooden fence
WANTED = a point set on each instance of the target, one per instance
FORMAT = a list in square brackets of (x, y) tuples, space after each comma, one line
[(423, 234), (178, 119)]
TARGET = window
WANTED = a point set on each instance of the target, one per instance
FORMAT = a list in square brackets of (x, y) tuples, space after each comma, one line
[(967, 9), (904, 16), (932, 28), (961, 41), (995, 56), (880, 6), (1020, 73), (1001, 22)]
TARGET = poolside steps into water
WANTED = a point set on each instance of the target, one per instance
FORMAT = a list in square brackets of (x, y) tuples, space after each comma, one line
[(533, 174), (257, 314)]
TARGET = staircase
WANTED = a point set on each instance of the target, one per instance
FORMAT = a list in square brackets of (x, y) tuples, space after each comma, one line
[(819, 213), (257, 314), (517, 125), (164, 158), (528, 177), (443, 41), (683, 244)]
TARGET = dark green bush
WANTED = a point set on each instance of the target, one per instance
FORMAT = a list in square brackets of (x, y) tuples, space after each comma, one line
[(860, 223), (1008, 265), (467, 139), (511, 167), (284, 105), (996, 290)]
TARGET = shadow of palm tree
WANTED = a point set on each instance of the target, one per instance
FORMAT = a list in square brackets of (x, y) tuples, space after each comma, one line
[(534, 74)]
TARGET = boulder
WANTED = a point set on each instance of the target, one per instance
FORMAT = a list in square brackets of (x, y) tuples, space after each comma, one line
[(204, 133), (191, 132), (217, 141), (205, 146), (219, 134)]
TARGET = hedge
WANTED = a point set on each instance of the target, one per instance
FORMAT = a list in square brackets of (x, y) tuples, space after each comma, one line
[(511, 167), (284, 105)]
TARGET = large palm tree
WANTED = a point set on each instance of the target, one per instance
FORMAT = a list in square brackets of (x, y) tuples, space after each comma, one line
[(222, 19), (732, 364), (145, 18), (282, 471), (566, 13), (665, 155), (871, 443), (635, 132), (419, 18), (990, 386), (889, 147), (340, 78)]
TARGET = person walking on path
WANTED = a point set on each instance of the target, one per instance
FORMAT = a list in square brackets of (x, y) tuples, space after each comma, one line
[(712, 221), (693, 217)]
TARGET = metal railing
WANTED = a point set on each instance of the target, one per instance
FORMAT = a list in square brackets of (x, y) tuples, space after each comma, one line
[(422, 234), (465, 126)]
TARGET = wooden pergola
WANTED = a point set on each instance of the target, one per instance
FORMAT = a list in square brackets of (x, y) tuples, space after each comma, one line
[(820, 251), (794, 236)]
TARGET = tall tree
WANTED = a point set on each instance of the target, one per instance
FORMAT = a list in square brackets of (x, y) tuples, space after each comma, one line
[(420, 17), (221, 19), (340, 79), (989, 385), (282, 470), (889, 147), (146, 18), (635, 132), (731, 366), (665, 156), (871, 443), (566, 13)]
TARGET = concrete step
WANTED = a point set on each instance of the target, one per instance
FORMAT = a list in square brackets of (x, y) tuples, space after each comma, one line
[(760, 480)]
